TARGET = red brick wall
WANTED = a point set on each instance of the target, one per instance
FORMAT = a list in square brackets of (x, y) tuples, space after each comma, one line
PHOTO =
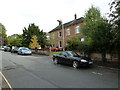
[(72, 34)]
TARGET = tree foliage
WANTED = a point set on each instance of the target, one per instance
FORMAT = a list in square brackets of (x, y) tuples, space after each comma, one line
[(96, 32), (2, 31), (34, 44), (98, 29), (115, 21), (3, 35), (115, 31), (15, 41), (76, 44), (31, 31)]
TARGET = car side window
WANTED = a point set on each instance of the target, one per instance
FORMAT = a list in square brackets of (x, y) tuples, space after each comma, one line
[(64, 54)]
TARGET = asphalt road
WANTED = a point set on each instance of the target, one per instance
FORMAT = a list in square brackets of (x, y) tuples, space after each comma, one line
[(40, 72)]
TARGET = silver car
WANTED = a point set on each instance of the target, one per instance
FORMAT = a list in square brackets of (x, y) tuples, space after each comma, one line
[(24, 51)]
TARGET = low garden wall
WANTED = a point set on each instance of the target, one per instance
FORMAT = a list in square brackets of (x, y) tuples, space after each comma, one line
[(42, 51), (94, 56)]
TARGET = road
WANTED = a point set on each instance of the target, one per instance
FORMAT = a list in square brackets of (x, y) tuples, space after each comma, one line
[(40, 72)]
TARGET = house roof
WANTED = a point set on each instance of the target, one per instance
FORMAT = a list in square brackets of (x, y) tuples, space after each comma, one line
[(73, 22)]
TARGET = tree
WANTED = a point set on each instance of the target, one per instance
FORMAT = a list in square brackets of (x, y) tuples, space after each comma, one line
[(31, 31), (115, 21), (2, 31), (75, 44), (97, 29), (3, 35), (34, 44), (16, 40)]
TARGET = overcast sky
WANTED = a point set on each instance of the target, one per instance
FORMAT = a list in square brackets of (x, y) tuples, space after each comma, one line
[(17, 14)]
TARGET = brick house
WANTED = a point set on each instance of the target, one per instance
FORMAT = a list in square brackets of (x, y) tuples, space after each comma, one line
[(60, 34)]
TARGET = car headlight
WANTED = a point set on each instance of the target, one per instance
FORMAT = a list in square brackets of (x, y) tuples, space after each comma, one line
[(83, 60)]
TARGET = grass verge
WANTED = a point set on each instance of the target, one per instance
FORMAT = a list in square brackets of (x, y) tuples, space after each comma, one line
[(54, 53)]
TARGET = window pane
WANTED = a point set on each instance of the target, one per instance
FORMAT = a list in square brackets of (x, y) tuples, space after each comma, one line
[(60, 44), (82, 39), (67, 32), (77, 29)]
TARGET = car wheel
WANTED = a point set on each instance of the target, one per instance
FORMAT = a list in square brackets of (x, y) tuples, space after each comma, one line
[(55, 61), (75, 64)]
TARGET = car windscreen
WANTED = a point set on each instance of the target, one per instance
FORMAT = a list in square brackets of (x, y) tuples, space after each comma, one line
[(73, 54), (16, 48), (25, 49)]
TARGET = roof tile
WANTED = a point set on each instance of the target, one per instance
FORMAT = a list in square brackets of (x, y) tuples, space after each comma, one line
[(76, 21)]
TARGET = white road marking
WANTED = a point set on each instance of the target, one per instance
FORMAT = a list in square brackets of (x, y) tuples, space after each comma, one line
[(6, 81), (97, 73), (28, 56), (94, 72)]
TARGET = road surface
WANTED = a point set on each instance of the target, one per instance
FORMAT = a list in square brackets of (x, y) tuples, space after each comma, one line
[(39, 72)]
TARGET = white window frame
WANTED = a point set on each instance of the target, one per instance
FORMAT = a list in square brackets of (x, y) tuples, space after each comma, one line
[(60, 46), (77, 29), (59, 34)]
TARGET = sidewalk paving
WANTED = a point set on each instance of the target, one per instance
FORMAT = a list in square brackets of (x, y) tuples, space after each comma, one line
[(3, 84)]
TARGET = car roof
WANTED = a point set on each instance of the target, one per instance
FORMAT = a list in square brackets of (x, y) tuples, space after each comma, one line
[(69, 51), (66, 51)]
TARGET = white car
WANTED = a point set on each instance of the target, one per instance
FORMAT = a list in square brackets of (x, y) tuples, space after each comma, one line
[(24, 51)]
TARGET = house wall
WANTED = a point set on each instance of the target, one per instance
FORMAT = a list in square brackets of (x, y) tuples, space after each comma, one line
[(57, 39)]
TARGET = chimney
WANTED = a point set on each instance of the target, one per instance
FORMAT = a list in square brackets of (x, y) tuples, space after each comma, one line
[(60, 22), (75, 16)]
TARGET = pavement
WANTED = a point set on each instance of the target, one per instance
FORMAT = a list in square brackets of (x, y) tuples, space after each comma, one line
[(3, 83)]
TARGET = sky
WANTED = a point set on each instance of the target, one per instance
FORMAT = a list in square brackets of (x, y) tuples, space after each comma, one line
[(17, 14)]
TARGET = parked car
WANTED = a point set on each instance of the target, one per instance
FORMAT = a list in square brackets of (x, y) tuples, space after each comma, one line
[(7, 49), (2, 48), (14, 50), (24, 51), (72, 58), (55, 49)]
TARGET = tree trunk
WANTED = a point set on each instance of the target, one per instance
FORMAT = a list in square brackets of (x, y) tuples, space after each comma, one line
[(104, 57), (35, 49), (118, 52)]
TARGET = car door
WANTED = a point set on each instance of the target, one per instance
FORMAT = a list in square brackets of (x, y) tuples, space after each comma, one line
[(65, 58), (69, 58), (62, 57), (59, 58), (20, 51)]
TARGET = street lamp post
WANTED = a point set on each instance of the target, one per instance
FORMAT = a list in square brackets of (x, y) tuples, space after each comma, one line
[(63, 37), (61, 23)]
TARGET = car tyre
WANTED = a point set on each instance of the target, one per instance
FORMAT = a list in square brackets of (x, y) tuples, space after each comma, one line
[(75, 64), (55, 61)]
